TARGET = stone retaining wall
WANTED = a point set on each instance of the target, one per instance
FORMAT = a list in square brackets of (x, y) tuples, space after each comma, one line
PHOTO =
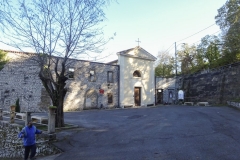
[(234, 104), (11, 146), (216, 86)]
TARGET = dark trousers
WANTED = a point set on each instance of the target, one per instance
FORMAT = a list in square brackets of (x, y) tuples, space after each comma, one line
[(31, 148)]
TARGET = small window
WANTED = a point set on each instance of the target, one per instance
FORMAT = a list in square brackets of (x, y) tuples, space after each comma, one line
[(110, 98), (110, 77), (92, 76), (136, 74), (70, 73)]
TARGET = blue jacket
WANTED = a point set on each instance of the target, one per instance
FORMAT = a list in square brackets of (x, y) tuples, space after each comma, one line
[(28, 135)]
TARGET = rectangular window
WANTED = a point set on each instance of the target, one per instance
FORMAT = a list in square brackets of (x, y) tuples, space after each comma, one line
[(110, 77), (70, 73), (110, 98)]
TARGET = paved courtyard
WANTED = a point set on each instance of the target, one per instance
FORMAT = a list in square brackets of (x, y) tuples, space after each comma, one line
[(163, 132)]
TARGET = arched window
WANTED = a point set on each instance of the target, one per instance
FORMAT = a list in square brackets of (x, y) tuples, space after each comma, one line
[(136, 74)]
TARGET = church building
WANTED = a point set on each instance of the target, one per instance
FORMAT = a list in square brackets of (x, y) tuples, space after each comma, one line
[(128, 81)]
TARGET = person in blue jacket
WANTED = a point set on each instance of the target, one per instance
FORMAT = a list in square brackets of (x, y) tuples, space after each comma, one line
[(29, 142)]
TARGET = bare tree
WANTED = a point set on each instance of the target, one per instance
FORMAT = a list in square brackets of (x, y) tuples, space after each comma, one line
[(56, 30), (164, 65)]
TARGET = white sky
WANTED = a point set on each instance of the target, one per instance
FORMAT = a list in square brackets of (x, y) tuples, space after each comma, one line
[(157, 23)]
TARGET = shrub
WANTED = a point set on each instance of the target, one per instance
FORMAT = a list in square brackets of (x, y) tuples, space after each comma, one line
[(17, 109)]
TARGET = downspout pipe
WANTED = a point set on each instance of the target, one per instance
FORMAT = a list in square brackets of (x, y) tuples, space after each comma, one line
[(155, 90), (118, 86)]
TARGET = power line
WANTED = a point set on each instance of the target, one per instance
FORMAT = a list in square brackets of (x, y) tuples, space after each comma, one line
[(191, 36), (196, 33), (210, 35), (168, 49)]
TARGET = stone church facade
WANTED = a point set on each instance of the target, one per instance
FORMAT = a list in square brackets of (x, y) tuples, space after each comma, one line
[(90, 85)]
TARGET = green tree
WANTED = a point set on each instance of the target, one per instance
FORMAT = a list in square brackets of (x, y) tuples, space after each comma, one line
[(229, 22), (17, 109), (56, 30), (209, 50), (187, 58), (3, 59)]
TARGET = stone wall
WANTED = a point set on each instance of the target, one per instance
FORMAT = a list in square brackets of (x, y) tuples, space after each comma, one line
[(234, 104), (12, 147), (215, 86), (19, 79), (83, 90)]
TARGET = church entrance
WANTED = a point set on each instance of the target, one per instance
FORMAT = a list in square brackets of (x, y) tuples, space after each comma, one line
[(137, 96)]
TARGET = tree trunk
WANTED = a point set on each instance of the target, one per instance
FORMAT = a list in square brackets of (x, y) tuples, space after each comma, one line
[(60, 100), (57, 92)]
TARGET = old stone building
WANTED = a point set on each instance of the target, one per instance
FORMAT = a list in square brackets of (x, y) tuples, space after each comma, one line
[(19, 79), (90, 84)]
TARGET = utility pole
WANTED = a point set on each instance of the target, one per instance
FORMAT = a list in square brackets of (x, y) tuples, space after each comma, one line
[(175, 88), (175, 59)]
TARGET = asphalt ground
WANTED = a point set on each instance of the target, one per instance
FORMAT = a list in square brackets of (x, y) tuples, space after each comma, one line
[(162, 132)]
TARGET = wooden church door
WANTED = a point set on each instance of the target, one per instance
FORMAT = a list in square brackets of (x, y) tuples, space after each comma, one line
[(137, 96)]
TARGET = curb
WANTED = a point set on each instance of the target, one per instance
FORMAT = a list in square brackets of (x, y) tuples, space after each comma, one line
[(51, 157)]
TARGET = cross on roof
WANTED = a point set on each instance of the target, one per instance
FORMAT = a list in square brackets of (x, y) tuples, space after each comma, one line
[(138, 41)]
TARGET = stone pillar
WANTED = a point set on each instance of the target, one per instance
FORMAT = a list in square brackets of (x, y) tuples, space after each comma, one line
[(1, 114), (28, 118), (12, 113), (51, 124)]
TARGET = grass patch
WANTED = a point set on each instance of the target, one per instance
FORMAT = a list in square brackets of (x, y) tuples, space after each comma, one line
[(236, 100), (42, 127), (45, 127)]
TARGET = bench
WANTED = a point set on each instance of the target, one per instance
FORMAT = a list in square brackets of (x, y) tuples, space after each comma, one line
[(6, 112), (189, 103), (127, 105), (21, 116), (203, 104), (40, 119)]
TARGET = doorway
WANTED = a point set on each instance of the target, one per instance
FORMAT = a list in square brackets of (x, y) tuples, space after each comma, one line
[(159, 99), (137, 96)]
